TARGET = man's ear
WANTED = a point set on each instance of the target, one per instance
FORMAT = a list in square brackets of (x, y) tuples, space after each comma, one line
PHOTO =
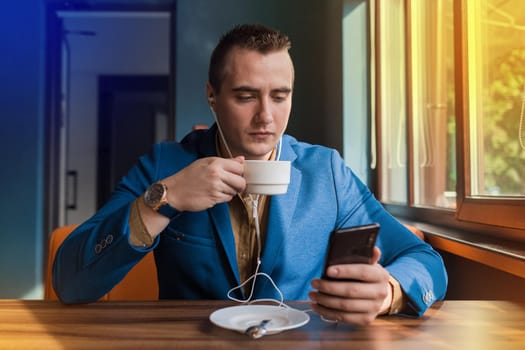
[(210, 94)]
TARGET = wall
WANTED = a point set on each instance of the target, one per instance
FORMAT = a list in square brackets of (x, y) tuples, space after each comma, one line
[(147, 53), (21, 146), (314, 28), (471, 280)]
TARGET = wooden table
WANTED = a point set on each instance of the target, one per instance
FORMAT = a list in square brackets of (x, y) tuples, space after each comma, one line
[(184, 325)]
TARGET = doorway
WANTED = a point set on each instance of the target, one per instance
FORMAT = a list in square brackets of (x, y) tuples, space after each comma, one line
[(133, 115), (110, 70)]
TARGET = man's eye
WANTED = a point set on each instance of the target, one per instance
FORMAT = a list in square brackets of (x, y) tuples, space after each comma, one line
[(279, 98), (244, 97)]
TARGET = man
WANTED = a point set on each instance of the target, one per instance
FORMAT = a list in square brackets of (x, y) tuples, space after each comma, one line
[(185, 200)]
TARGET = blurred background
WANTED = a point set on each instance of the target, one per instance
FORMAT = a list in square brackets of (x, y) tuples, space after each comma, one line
[(88, 86), (425, 101)]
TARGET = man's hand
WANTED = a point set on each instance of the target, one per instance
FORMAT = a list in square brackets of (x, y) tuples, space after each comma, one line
[(199, 186), (357, 302), (205, 183)]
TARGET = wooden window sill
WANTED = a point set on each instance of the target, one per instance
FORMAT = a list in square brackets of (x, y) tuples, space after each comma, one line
[(508, 256)]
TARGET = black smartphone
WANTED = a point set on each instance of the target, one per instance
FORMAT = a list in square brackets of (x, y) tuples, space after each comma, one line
[(352, 245)]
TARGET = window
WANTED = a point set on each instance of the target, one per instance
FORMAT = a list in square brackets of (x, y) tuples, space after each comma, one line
[(432, 89), (496, 81), (493, 57), (356, 109), (449, 104), (391, 101)]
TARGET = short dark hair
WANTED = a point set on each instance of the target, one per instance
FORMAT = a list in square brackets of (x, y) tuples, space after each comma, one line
[(246, 36)]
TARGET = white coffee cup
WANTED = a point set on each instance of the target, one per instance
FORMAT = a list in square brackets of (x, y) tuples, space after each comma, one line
[(267, 176)]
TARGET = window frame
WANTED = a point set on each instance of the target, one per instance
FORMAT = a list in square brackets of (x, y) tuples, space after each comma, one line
[(497, 217), (497, 211)]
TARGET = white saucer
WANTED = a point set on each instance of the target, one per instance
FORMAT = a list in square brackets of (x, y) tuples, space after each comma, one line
[(240, 317)]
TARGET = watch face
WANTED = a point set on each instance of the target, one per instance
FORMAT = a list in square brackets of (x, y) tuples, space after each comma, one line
[(154, 195)]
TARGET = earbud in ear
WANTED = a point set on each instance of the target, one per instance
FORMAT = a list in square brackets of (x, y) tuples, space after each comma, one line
[(211, 102)]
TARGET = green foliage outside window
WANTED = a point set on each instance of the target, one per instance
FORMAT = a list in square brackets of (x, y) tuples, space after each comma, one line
[(504, 156)]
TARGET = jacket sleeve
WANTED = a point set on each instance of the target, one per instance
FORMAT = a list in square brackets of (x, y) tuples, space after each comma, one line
[(411, 261), (97, 254)]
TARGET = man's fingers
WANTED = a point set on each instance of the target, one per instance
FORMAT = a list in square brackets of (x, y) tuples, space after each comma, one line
[(376, 255), (347, 289), (232, 165), (357, 318), (360, 272), (345, 304), (239, 159)]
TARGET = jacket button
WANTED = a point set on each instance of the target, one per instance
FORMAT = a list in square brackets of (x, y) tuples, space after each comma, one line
[(428, 297)]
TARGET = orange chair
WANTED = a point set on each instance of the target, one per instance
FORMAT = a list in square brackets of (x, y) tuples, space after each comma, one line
[(416, 231), (139, 284), (141, 281)]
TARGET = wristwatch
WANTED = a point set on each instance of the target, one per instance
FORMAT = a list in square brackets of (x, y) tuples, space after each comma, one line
[(156, 197)]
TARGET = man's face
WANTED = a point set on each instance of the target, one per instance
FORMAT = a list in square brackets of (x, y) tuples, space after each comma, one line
[(254, 102)]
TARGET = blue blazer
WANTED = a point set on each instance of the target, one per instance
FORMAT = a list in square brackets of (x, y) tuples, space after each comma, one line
[(195, 255)]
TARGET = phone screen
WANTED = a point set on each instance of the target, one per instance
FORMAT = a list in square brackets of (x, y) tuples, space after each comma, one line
[(352, 245)]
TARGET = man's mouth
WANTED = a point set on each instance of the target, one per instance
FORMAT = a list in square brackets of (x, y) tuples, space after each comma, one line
[(261, 133)]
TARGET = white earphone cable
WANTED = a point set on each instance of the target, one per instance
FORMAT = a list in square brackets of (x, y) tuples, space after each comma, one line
[(255, 214), (221, 134)]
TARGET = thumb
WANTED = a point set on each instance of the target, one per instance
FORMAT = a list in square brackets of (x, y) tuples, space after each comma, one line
[(376, 255), (239, 159)]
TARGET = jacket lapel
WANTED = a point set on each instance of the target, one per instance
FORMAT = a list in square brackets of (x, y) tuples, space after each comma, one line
[(281, 212), (220, 216)]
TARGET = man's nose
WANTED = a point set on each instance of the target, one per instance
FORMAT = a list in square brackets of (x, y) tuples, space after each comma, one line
[(264, 113)]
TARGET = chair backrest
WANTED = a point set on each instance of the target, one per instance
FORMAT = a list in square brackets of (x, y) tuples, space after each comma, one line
[(416, 231), (139, 284)]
